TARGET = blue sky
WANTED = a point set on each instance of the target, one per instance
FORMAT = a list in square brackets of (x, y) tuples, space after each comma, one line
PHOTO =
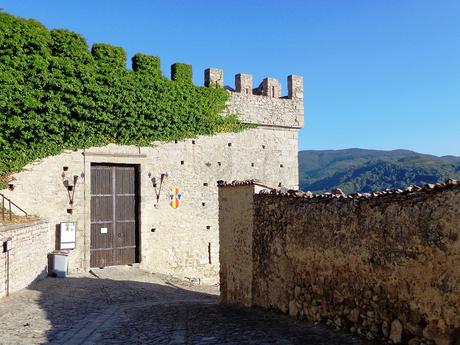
[(378, 74)]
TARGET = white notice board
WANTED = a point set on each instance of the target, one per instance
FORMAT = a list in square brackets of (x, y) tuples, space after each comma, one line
[(68, 235)]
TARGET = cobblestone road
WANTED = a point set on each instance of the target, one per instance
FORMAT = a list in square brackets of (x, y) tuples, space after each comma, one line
[(125, 305)]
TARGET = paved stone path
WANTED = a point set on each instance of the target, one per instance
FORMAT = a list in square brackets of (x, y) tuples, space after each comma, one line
[(125, 305)]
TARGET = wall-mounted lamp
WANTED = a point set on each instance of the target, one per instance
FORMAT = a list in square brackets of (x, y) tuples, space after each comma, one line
[(70, 183), (157, 185)]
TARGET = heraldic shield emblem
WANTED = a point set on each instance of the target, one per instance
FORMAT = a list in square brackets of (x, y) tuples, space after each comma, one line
[(175, 197)]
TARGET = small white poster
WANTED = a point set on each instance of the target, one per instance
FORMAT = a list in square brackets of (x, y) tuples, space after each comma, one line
[(68, 235), (103, 230)]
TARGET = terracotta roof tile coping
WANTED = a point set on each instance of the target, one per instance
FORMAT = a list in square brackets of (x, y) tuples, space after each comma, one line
[(236, 183), (339, 194)]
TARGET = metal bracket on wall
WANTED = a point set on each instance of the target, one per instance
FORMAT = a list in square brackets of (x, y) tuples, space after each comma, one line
[(157, 187), (70, 183), (7, 247)]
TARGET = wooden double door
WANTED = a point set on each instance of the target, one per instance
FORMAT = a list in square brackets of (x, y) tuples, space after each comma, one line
[(114, 215)]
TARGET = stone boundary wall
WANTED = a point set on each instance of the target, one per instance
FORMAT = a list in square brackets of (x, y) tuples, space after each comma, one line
[(382, 265), (28, 260)]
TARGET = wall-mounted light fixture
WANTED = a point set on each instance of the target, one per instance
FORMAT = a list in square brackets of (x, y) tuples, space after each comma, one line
[(70, 183), (157, 185)]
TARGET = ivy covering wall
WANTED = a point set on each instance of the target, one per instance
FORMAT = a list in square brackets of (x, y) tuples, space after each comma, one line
[(56, 94)]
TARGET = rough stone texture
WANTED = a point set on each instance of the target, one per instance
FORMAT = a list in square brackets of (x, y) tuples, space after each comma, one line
[(270, 87), (182, 241), (27, 261), (243, 83), (396, 331), (383, 266), (129, 306), (295, 87), (269, 111), (213, 77)]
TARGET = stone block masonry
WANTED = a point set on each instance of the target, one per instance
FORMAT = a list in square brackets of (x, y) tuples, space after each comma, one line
[(182, 241), (27, 260), (382, 265)]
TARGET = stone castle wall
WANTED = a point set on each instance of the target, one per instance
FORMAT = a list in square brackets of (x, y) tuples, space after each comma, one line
[(381, 266), (27, 261), (183, 241)]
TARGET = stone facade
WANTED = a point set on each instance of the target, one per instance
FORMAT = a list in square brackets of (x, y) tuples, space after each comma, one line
[(183, 241), (27, 260), (382, 265)]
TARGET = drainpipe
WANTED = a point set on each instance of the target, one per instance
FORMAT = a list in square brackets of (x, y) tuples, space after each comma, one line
[(6, 250)]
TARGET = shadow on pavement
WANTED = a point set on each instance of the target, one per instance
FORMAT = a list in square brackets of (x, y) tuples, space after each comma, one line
[(88, 310), (78, 309)]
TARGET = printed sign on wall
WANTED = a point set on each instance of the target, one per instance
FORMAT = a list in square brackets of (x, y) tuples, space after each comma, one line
[(67, 235), (175, 197)]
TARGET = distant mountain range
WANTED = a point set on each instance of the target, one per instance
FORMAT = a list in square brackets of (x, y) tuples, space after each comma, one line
[(359, 170)]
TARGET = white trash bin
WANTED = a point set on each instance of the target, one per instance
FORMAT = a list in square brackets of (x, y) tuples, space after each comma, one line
[(59, 263)]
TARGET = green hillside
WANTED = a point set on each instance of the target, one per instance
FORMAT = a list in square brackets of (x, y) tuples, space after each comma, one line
[(359, 170)]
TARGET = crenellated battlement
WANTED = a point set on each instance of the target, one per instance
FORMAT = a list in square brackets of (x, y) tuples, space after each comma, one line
[(269, 87), (262, 105)]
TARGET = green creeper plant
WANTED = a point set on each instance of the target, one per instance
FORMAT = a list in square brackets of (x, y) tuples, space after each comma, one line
[(182, 73), (56, 94)]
